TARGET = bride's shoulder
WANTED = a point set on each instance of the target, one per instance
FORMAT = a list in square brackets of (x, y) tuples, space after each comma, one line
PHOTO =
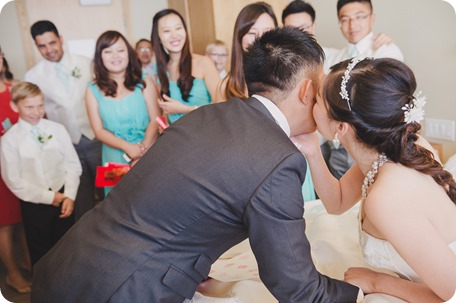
[(394, 186)]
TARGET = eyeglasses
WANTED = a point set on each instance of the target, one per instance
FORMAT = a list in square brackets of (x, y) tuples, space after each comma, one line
[(145, 50), (218, 55), (344, 21)]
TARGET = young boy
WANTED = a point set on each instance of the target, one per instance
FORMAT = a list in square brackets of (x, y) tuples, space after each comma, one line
[(218, 52), (41, 167)]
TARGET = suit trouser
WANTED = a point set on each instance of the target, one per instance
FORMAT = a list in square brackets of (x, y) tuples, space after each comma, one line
[(89, 153), (43, 227)]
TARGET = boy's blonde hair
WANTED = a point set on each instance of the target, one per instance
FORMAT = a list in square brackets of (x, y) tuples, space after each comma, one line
[(23, 90), (215, 43)]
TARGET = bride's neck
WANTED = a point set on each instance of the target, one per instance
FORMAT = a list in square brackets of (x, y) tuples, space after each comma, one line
[(363, 156)]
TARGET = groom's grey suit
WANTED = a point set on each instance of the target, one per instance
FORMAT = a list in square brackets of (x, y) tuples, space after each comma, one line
[(216, 176)]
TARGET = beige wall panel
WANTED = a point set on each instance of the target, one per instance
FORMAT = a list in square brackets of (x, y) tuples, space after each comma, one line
[(202, 24), (11, 35), (75, 21)]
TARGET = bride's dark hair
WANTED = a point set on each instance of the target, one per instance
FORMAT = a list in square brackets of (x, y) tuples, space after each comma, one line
[(378, 89)]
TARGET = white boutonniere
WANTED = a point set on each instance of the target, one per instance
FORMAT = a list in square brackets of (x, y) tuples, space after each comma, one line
[(43, 138), (76, 72)]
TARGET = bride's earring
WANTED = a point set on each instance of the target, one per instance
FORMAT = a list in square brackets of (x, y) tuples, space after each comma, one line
[(336, 141)]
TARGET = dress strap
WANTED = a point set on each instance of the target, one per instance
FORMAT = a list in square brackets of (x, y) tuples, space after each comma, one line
[(96, 91)]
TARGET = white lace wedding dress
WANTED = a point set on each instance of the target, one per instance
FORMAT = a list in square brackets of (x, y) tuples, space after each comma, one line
[(380, 253), (199, 298)]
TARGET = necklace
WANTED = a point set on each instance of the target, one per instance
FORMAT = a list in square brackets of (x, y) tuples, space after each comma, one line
[(369, 179)]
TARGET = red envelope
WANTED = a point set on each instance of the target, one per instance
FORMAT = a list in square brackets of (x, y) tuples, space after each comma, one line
[(110, 174), (161, 121)]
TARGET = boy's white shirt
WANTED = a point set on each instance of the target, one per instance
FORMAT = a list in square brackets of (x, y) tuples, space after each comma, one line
[(34, 171)]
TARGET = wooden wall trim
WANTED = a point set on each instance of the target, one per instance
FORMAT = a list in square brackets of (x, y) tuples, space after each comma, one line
[(128, 23), (25, 33)]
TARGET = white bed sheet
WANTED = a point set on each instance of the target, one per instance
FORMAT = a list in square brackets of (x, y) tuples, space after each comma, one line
[(335, 248)]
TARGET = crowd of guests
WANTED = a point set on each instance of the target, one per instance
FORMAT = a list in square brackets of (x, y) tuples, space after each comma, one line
[(72, 114)]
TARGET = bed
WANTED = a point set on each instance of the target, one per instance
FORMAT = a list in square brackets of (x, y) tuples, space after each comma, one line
[(334, 242)]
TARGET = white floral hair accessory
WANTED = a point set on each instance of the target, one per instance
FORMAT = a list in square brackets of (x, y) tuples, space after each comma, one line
[(343, 85), (414, 111)]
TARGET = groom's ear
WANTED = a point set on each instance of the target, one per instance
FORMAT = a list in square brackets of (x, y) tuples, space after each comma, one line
[(306, 92)]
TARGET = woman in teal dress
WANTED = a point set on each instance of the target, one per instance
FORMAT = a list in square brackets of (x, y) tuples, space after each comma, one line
[(121, 102), (186, 80)]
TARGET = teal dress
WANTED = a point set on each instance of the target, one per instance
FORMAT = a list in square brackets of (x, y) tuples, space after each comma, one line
[(308, 189), (199, 95), (126, 118)]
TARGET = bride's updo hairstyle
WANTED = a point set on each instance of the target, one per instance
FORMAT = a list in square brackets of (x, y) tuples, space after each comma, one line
[(377, 90)]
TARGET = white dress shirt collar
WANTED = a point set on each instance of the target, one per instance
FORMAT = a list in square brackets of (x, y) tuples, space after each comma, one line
[(27, 126), (276, 113), (364, 45)]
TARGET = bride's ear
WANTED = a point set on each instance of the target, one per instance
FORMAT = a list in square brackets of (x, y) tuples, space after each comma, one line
[(343, 128)]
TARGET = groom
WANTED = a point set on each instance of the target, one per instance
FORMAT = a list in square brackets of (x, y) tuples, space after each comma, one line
[(218, 175)]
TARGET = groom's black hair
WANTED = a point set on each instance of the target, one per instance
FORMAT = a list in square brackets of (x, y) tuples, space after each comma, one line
[(280, 58)]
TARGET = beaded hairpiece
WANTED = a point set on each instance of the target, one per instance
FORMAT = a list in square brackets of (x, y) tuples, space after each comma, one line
[(343, 86), (414, 111)]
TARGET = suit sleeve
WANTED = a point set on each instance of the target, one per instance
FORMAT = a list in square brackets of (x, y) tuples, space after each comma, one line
[(274, 217)]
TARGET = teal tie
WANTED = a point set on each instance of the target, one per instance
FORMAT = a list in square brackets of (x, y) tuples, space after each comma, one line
[(35, 133), (352, 51), (63, 77)]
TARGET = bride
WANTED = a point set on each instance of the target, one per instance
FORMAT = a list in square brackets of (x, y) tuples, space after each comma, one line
[(407, 218)]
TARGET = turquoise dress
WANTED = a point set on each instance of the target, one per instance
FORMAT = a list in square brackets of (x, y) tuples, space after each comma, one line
[(126, 118), (199, 95), (308, 189)]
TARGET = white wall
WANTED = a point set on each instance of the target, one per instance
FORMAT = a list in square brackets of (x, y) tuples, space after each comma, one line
[(142, 12), (425, 30), (10, 40)]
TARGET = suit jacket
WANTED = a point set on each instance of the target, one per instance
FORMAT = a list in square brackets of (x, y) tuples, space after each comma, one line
[(65, 104), (216, 176)]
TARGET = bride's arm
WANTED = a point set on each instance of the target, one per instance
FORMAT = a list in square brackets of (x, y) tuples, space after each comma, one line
[(375, 282), (401, 217), (337, 195)]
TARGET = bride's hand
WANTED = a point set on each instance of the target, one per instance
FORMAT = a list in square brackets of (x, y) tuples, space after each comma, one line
[(308, 144), (362, 277)]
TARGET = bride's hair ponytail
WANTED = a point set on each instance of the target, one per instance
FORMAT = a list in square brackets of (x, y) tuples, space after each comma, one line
[(370, 95), (421, 159)]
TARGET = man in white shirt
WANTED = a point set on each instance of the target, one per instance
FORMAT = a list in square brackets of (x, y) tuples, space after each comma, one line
[(145, 54), (63, 79), (356, 20), (301, 14)]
